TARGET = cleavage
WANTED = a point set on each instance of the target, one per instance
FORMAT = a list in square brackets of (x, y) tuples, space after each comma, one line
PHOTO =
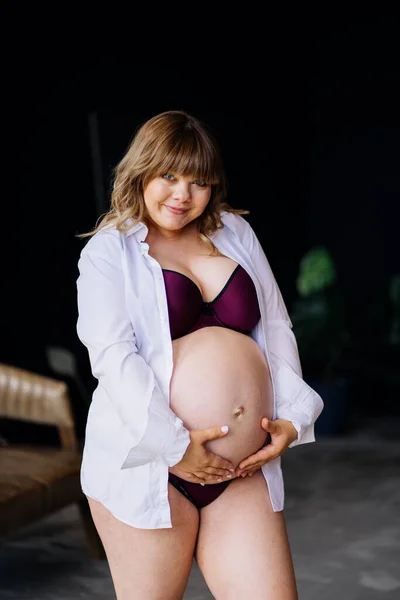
[(219, 293)]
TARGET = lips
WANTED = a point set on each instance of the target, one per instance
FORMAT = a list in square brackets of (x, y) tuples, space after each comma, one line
[(176, 211)]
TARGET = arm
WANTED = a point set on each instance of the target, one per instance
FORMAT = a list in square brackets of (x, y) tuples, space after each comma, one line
[(105, 329), (296, 401)]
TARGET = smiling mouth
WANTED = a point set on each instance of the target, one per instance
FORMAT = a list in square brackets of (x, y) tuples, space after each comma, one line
[(176, 211)]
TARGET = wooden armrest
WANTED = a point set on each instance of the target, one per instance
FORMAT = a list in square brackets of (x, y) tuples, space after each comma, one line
[(27, 396)]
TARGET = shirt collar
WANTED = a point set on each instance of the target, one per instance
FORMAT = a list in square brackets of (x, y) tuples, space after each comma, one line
[(140, 231)]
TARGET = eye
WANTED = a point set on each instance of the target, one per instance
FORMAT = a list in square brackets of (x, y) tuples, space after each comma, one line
[(200, 183), (168, 177)]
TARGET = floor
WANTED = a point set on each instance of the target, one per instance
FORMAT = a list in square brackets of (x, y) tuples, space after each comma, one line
[(343, 517)]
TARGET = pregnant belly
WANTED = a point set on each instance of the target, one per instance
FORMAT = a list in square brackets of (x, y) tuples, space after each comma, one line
[(221, 377)]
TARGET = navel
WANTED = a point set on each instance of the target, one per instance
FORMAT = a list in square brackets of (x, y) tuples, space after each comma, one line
[(238, 411)]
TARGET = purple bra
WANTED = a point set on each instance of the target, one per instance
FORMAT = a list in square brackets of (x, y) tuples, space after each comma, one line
[(235, 307)]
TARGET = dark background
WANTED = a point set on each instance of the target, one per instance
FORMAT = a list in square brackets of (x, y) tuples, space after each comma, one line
[(308, 122)]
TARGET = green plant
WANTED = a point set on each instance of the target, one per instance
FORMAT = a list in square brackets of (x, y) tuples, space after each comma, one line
[(318, 315)]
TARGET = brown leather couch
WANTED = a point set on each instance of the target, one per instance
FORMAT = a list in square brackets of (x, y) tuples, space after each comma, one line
[(35, 480)]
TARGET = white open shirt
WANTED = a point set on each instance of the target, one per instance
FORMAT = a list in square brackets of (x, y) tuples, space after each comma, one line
[(132, 435)]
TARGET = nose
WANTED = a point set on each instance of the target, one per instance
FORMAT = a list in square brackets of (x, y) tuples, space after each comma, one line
[(182, 191)]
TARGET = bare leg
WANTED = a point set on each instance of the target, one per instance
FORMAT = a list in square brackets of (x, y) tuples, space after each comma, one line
[(243, 549), (149, 564)]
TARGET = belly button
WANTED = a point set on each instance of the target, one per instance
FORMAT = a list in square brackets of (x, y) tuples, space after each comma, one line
[(238, 411)]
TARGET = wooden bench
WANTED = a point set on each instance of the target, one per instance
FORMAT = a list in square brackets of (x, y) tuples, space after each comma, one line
[(35, 480)]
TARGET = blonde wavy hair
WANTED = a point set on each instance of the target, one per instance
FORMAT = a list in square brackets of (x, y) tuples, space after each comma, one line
[(171, 142)]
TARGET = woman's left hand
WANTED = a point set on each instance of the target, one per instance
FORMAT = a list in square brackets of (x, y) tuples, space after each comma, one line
[(282, 434)]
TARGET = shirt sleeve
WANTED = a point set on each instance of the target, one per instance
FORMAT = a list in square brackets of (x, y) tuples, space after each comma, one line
[(296, 401), (105, 328)]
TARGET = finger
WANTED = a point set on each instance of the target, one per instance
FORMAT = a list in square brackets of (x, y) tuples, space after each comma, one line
[(212, 461), (218, 472), (268, 425), (213, 433), (260, 456), (189, 476), (256, 466), (218, 478), (210, 476), (250, 472), (196, 479)]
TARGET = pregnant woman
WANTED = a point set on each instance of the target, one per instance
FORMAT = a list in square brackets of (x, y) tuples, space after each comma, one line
[(199, 382), (220, 374)]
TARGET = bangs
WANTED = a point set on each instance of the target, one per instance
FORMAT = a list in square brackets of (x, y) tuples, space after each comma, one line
[(188, 156)]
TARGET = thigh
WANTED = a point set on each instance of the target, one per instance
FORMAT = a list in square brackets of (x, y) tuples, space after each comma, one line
[(243, 549), (149, 563)]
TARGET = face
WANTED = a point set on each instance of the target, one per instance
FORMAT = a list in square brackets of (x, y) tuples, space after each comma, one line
[(174, 201)]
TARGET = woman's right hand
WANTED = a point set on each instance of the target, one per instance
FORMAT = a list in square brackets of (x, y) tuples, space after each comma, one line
[(200, 466)]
